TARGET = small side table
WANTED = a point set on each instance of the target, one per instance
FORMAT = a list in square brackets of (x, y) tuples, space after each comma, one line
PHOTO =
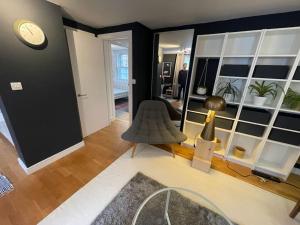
[(296, 210), (203, 154)]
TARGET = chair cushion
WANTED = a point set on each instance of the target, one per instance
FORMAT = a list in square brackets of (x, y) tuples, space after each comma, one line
[(152, 125)]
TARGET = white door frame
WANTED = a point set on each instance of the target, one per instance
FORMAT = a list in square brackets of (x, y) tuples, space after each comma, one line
[(108, 38)]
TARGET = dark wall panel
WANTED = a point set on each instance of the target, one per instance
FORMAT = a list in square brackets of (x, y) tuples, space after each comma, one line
[(142, 47), (156, 68), (44, 116)]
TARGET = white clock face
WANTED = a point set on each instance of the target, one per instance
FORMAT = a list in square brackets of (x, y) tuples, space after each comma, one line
[(30, 33)]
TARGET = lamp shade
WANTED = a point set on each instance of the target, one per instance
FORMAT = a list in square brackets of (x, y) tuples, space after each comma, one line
[(215, 103)]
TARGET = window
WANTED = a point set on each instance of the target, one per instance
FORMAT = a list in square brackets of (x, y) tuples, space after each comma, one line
[(122, 66)]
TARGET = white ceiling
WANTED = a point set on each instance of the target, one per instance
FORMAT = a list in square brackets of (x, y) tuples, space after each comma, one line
[(166, 13)]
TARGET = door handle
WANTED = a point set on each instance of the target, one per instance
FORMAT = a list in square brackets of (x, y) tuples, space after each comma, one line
[(82, 95)]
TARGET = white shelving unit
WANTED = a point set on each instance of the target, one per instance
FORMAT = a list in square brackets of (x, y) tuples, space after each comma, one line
[(265, 151)]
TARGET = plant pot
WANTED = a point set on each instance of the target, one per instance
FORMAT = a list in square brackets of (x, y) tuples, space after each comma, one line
[(239, 152), (201, 90), (257, 100), (228, 97)]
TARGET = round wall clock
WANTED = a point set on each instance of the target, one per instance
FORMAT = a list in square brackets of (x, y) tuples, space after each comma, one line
[(30, 33)]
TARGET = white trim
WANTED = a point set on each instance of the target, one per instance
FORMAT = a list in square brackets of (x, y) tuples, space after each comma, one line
[(51, 159), (296, 171)]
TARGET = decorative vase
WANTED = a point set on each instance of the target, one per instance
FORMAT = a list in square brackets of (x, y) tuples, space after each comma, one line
[(239, 152), (228, 97), (258, 100), (201, 90)]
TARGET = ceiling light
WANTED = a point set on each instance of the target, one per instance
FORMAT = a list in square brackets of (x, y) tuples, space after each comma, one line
[(169, 46)]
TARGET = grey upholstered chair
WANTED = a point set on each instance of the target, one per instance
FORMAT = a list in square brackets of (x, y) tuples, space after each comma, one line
[(152, 125)]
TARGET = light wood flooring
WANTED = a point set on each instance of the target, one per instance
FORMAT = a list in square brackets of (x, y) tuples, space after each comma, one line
[(36, 195)]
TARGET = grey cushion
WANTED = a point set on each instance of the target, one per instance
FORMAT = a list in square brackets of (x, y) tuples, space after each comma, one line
[(152, 125)]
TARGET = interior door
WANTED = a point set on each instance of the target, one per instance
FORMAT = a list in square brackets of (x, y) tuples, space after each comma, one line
[(87, 58), (107, 39)]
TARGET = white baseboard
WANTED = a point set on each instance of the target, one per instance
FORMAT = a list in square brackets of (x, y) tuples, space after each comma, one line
[(51, 159), (296, 171)]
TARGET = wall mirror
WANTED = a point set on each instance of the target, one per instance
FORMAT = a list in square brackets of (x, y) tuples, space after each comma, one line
[(170, 69)]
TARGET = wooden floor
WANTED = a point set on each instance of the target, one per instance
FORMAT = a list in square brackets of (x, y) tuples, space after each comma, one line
[(36, 195)]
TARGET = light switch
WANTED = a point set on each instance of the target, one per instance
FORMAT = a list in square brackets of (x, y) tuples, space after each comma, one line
[(16, 86)]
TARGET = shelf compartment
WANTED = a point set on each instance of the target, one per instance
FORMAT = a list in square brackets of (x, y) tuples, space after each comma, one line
[(277, 159), (223, 137), (270, 102), (238, 83), (223, 123), (248, 135), (210, 78), (235, 70), (195, 117), (294, 86), (249, 144), (242, 43), (250, 129), (284, 136), (230, 111), (200, 118), (192, 130), (271, 71), (288, 121), (286, 42), (189, 143), (297, 74), (197, 105), (209, 45), (260, 116)]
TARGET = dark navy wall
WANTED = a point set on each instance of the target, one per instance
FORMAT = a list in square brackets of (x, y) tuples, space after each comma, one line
[(44, 116)]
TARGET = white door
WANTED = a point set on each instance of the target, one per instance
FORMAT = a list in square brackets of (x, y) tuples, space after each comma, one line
[(87, 58)]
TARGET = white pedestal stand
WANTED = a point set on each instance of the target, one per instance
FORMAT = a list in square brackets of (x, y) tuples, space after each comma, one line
[(203, 154)]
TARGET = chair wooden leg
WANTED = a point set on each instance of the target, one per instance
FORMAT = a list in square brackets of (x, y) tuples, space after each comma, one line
[(133, 150), (173, 150), (296, 210)]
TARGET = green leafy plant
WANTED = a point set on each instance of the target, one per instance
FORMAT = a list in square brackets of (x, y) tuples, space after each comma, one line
[(228, 88), (292, 99), (264, 89)]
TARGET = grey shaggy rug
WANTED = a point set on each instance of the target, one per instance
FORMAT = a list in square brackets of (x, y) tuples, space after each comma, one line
[(5, 186), (182, 211)]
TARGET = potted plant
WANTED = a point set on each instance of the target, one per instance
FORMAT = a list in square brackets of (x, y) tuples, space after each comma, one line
[(262, 90), (292, 99), (228, 90)]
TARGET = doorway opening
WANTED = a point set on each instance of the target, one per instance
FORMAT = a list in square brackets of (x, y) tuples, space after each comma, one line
[(118, 70), (119, 65)]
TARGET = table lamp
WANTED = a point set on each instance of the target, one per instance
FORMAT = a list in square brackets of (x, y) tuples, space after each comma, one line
[(213, 104)]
